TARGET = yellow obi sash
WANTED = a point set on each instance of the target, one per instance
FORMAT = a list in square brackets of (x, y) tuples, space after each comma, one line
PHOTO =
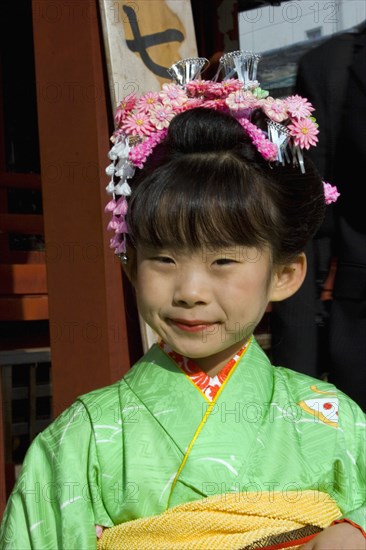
[(237, 521)]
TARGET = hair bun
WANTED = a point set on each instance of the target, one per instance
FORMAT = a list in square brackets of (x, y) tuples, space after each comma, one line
[(203, 130)]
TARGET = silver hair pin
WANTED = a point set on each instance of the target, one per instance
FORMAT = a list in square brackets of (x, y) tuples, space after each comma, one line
[(186, 70), (243, 64)]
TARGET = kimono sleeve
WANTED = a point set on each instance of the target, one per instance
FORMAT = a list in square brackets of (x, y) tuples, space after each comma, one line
[(353, 429), (53, 502)]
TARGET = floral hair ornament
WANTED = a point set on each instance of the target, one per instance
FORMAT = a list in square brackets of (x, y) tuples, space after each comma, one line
[(142, 122)]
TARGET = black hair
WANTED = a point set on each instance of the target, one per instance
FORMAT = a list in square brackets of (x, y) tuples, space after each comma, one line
[(207, 184)]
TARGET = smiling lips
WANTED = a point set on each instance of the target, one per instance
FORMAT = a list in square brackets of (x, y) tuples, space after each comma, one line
[(191, 326)]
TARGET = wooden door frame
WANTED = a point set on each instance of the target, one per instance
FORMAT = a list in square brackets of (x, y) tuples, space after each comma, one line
[(88, 329)]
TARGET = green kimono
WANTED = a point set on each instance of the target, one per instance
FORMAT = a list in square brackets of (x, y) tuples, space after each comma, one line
[(153, 441)]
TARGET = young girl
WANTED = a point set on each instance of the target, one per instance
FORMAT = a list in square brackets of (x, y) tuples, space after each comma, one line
[(204, 444)]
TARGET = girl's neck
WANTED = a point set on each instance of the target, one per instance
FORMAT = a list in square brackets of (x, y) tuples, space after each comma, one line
[(213, 364)]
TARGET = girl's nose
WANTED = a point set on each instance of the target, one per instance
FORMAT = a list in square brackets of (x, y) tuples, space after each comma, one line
[(191, 288)]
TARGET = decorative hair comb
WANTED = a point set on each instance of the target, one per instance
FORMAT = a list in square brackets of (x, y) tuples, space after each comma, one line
[(142, 123)]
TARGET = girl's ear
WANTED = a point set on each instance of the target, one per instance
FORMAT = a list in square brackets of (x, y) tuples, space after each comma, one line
[(287, 279)]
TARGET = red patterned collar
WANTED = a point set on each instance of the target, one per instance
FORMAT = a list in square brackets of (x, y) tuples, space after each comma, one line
[(208, 386)]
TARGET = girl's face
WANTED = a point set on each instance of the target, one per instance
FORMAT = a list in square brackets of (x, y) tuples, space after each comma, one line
[(204, 303)]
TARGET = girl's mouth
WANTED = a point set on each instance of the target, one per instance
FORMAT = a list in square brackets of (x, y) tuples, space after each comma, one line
[(191, 325)]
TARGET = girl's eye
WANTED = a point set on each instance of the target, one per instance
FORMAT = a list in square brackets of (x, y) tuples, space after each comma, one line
[(224, 261), (163, 260)]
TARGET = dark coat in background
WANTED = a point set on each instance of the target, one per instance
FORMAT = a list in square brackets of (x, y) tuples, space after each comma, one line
[(309, 335)]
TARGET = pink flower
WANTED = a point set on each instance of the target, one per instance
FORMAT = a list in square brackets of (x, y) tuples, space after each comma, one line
[(139, 154), (330, 193), (118, 225), (161, 115), (147, 100), (230, 85), (120, 208), (191, 103), (113, 224), (212, 90), (304, 131), (126, 105), (217, 90), (217, 104), (173, 95), (110, 206), (117, 242), (121, 248), (122, 227), (137, 124), (275, 109), (299, 107), (197, 88), (114, 241), (237, 101)]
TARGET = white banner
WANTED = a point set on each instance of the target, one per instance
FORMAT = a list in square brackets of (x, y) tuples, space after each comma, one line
[(142, 40)]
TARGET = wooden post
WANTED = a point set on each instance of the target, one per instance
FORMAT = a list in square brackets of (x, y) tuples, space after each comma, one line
[(88, 330), (2, 455)]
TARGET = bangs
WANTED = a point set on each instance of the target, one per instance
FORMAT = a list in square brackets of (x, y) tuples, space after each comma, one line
[(194, 200)]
